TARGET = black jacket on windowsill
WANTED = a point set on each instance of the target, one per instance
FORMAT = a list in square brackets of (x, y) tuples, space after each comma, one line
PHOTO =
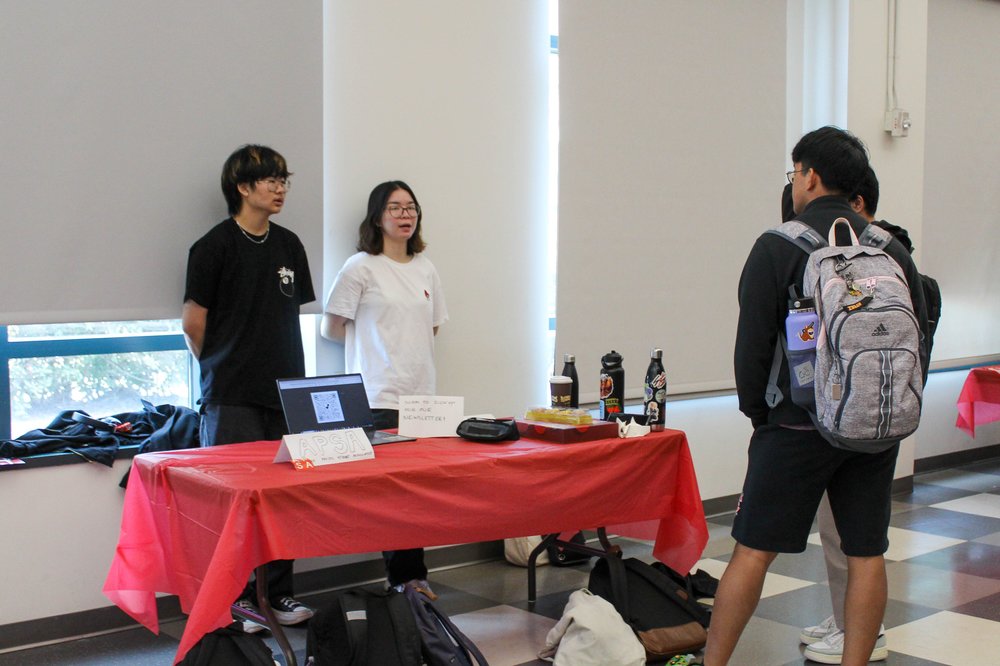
[(159, 428)]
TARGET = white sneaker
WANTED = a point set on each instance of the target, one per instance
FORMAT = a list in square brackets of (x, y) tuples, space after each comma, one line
[(245, 625), (830, 650), (810, 635)]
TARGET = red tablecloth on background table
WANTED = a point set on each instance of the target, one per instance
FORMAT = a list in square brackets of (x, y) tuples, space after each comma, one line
[(197, 522), (979, 401)]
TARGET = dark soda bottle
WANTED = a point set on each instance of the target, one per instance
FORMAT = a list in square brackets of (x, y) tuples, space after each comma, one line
[(569, 370)]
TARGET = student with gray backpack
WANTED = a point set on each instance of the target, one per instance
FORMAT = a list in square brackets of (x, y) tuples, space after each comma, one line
[(795, 454)]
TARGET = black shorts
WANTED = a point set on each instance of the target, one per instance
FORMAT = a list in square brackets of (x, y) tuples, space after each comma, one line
[(787, 473)]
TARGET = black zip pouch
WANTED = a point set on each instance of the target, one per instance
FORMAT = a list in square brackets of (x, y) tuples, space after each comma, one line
[(488, 430)]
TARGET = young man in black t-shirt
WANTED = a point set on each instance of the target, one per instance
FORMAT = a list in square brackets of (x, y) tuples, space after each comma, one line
[(246, 279)]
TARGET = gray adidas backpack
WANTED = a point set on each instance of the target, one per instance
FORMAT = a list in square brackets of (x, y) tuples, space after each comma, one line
[(868, 378)]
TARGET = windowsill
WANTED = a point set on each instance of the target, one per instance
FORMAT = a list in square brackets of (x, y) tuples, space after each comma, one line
[(60, 458)]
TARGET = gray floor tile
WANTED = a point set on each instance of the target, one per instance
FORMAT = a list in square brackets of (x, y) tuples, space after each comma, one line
[(964, 480), (798, 608), (925, 494), (808, 565), (902, 612), (991, 466), (987, 608), (134, 647), (941, 522), (505, 583), (969, 557), (936, 588)]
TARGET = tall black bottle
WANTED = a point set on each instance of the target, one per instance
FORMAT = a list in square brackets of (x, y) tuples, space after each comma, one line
[(654, 399), (569, 370), (612, 385)]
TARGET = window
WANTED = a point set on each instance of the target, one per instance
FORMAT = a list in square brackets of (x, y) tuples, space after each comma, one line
[(102, 368)]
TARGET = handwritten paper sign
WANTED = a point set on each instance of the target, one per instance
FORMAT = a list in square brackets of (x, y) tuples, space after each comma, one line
[(430, 415), (327, 447)]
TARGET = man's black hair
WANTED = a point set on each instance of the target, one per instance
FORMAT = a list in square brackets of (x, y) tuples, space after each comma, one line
[(836, 155), (867, 189), (250, 164)]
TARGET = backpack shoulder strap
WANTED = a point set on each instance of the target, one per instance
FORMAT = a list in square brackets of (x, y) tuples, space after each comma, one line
[(354, 607), (800, 234), (772, 394), (461, 639), (619, 585), (391, 637), (807, 239)]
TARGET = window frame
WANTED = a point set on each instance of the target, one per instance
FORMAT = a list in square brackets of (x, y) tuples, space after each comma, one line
[(81, 346)]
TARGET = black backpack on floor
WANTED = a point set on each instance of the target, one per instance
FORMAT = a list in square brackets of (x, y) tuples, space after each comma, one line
[(364, 628), (666, 618), (442, 644), (229, 647)]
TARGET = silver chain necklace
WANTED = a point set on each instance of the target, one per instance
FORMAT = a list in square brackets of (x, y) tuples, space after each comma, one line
[(251, 238)]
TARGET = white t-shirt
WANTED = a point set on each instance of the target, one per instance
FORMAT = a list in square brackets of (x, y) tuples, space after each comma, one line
[(393, 309)]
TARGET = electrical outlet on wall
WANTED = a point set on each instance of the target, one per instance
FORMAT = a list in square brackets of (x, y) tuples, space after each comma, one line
[(897, 122)]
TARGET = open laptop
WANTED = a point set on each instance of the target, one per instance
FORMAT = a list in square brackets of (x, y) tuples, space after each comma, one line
[(333, 402)]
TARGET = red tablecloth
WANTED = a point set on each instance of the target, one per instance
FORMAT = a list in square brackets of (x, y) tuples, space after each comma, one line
[(197, 522), (979, 401)]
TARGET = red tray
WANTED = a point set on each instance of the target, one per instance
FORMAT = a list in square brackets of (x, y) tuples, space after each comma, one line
[(564, 433)]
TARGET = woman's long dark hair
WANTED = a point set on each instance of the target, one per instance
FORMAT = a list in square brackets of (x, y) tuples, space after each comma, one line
[(370, 231)]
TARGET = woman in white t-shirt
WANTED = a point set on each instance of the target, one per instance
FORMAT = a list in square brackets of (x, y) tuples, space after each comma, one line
[(385, 307)]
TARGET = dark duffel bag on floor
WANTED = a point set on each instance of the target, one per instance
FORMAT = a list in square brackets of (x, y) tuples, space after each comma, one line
[(667, 620), (229, 647)]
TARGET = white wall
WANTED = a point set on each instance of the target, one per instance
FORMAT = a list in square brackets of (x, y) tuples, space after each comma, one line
[(451, 97), (60, 528), (115, 122), (961, 193)]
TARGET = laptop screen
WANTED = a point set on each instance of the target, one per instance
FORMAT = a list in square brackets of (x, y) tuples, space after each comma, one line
[(325, 403)]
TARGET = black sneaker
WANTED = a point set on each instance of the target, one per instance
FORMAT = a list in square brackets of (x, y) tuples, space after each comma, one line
[(288, 611)]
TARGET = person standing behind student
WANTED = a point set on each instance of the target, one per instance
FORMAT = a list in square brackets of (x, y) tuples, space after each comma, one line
[(385, 307), (826, 639), (246, 279)]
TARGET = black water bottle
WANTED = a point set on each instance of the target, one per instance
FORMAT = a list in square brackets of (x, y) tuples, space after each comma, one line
[(569, 370), (612, 385), (654, 398)]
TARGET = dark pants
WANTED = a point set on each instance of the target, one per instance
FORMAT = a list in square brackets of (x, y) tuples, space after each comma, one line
[(400, 565), (232, 424)]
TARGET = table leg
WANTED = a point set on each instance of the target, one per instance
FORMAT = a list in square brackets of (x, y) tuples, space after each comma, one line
[(607, 549), (267, 616)]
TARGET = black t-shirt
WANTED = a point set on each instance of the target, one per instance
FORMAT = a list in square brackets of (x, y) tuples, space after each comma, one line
[(252, 292)]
